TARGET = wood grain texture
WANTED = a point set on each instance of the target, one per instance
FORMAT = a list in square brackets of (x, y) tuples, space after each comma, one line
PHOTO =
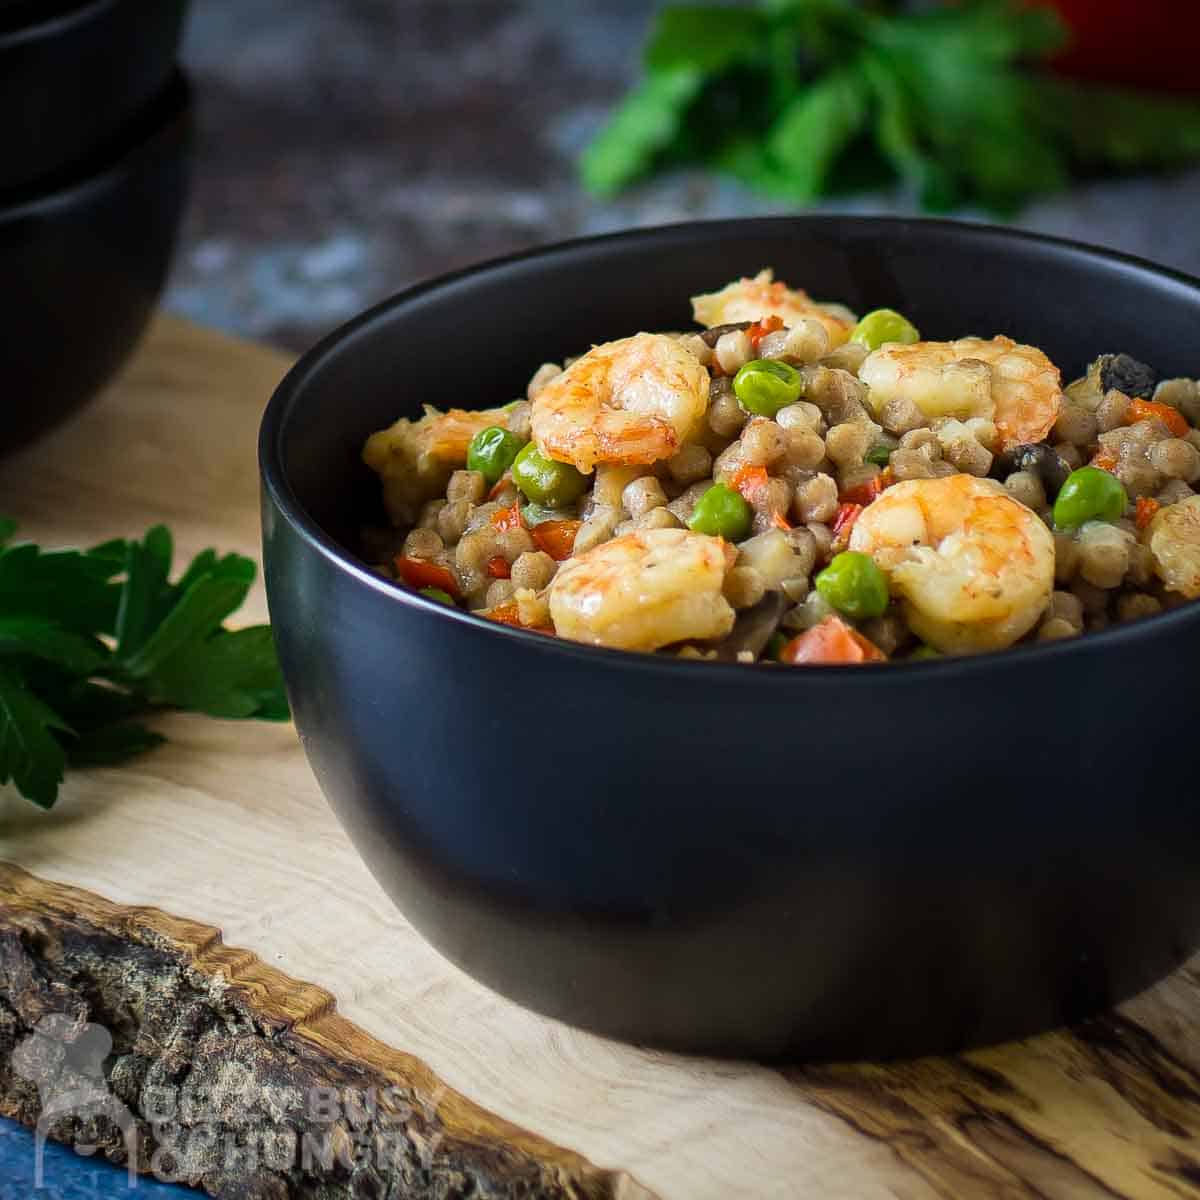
[(226, 828), (370, 1119)]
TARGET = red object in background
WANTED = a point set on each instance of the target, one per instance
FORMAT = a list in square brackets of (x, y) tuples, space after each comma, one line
[(1134, 43)]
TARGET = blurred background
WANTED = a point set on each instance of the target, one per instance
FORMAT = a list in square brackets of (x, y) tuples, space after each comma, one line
[(347, 148)]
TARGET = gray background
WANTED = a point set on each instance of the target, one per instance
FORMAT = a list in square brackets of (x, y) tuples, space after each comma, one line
[(350, 147)]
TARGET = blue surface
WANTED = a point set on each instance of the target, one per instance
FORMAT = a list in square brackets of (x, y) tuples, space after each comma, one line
[(67, 1175)]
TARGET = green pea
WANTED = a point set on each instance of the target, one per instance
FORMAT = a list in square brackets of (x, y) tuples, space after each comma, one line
[(440, 596), (882, 326), (765, 385), (546, 481), (924, 653), (854, 585), (721, 512), (1089, 494), (879, 454), (492, 451)]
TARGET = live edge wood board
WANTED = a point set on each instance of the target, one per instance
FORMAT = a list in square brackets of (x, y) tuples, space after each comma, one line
[(123, 908)]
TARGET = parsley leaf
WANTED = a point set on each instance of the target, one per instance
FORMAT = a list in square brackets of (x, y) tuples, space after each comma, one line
[(70, 587), (1099, 126), (804, 98), (30, 755), (146, 593), (92, 640), (704, 38), (111, 745), (36, 637), (816, 127), (226, 675), (648, 119)]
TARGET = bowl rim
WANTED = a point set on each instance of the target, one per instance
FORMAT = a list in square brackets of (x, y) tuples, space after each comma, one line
[(285, 500), (61, 21), (168, 115)]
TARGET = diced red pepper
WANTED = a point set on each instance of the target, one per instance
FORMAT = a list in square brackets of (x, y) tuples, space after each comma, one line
[(421, 573), (1146, 410), (556, 538), (1105, 460), (503, 482), (1147, 506), (843, 525), (829, 643), (505, 519), (499, 567), (760, 329)]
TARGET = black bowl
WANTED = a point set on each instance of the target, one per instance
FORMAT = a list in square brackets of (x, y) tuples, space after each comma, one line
[(803, 862), (73, 77), (85, 265)]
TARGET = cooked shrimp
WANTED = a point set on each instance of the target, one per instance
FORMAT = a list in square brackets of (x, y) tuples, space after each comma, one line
[(752, 299), (973, 567), (634, 401), (644, 590), (1174, 540), (416, 458), (1015, 386)]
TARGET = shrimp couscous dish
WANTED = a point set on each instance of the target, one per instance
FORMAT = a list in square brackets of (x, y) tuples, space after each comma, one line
[(797, 485)]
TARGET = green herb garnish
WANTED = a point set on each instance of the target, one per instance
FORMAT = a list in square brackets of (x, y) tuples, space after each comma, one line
[(800, 98), (91, 640)]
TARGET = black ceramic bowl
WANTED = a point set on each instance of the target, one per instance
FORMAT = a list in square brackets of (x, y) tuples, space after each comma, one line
[(84, 265), (74, 76), (805, 862)]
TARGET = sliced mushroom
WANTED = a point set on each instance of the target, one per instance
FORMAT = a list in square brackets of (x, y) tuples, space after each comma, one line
[(1039, 459), (710, 336), (753, 628), (1125, 374)]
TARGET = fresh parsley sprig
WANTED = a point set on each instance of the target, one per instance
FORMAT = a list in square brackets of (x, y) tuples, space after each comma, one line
[(92, 640), (800, 98)]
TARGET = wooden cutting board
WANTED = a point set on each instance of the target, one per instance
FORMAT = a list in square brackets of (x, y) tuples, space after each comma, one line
[(123, 907)]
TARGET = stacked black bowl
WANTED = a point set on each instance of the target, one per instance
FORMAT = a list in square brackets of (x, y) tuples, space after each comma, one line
[(94, 139)]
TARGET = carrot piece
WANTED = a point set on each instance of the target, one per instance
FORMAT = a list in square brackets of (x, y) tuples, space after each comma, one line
[(510, 614), (505, 519), (843, 526), (556, 538), (749, 481), (1146, 410), (831, 642), (1147, 506), (760, 329), (1105, 460), (499, 568), (504, 614), (780, 521), (421, 573)]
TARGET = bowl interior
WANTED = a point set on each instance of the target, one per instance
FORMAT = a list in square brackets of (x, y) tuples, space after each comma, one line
[(472, 340)]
